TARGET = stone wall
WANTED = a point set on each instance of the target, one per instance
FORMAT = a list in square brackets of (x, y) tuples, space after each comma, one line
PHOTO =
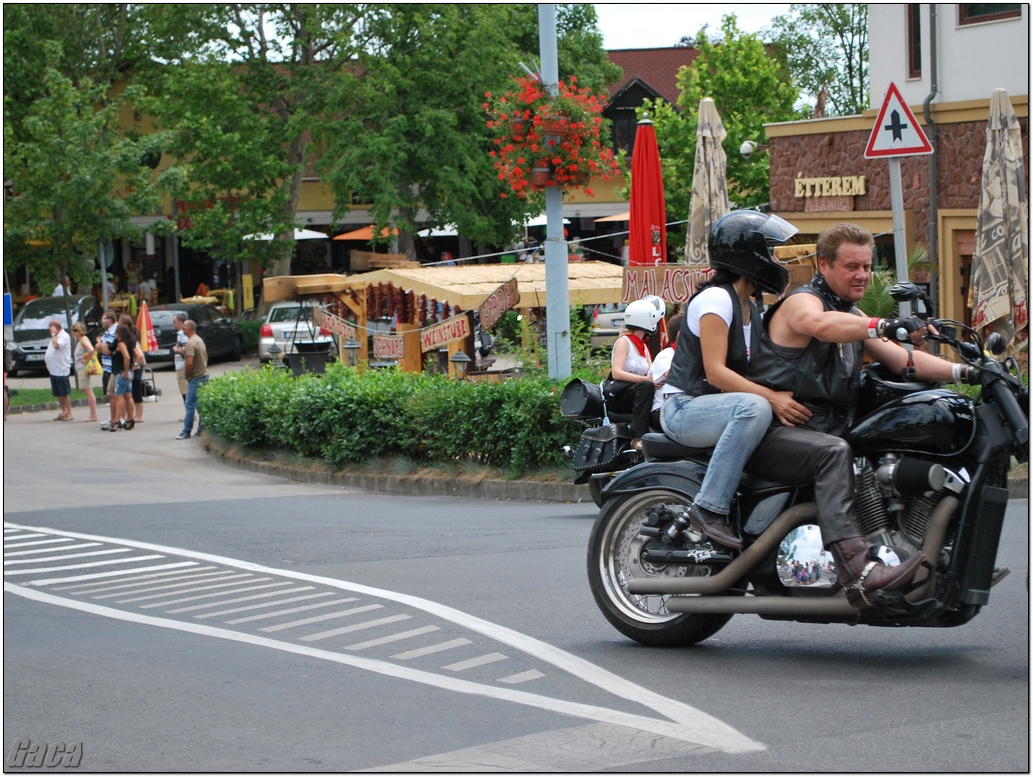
[(959, 168)]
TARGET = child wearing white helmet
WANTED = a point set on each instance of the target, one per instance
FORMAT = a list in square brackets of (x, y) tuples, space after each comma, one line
[(630, 364)]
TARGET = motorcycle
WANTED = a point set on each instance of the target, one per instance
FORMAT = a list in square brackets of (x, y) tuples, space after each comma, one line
[(931, 469), (604, 449)]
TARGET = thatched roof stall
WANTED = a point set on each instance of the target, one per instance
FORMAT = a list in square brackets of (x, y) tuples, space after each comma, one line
[(465, 288)]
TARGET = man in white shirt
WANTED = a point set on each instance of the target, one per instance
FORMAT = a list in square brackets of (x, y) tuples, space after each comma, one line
[(58, 359)]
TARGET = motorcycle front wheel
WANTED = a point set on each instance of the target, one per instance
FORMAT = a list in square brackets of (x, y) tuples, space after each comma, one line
[(615, 549)]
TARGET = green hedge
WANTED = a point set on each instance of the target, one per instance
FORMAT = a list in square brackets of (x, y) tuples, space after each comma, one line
[(346, 418), (250, 331)]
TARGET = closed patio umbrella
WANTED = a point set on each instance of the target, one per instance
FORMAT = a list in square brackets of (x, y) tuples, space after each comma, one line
[(145, 328), (647, 224), (997, 295), (709, 200)]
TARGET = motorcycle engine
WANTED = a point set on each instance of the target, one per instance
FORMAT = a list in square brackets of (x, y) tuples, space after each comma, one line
[(895, 500)]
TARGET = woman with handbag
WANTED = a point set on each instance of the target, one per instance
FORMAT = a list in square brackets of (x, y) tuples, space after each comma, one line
[(717, 405), (630, 387), (86, 366)]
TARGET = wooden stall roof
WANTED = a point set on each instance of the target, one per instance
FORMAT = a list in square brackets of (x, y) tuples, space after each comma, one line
[(590, 283)]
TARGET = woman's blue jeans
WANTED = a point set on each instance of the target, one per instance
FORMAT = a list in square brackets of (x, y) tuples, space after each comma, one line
[(734, 424)]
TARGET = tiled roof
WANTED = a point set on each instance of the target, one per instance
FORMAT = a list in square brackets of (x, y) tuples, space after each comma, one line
[(656, 67)]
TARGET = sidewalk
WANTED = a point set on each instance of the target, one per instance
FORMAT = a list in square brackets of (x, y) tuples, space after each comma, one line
[(163, 421)]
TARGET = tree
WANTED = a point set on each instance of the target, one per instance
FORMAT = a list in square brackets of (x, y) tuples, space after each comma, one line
[(241, 88), (413, 133), (750, 88), (826, 48), (74, 179)]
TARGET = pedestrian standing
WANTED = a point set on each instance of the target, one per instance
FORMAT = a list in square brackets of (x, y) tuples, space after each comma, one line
[(195, 356), (58, 359), (105, 347), (177, 353), (84, 351)]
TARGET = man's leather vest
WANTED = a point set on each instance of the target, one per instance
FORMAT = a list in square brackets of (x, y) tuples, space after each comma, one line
[(687, 371), (822, 376)]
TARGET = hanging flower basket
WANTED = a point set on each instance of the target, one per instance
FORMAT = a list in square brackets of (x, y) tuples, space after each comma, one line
[(540, 177), (535, 132)]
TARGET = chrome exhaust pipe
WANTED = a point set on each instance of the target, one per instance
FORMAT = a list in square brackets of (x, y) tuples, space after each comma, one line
[(836, 605), (797, 515)]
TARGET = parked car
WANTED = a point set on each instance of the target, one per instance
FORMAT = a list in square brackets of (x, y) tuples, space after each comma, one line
[(31, 334), (221, 336), (290, 322), (606, 324)]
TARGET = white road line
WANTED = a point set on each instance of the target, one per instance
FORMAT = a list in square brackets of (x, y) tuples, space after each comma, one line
[(51, 550), (731, 742), (116, 573), (70, 567), (472, 663), (153, 605), (176, 574), (40, 542), (356, 627), (452, 644), (49, 559), (320, 618), (392, 638), (683, 721), (239, 599), (522, 677), (165, 585), (207, 585), (278, 613)]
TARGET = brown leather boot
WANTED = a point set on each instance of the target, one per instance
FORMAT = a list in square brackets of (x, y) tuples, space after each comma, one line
[(715, 526), (859, 575)]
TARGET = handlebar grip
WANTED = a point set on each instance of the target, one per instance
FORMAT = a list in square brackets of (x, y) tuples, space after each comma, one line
[(1013, 414)]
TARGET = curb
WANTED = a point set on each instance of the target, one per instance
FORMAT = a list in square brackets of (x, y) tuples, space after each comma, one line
[(404, 485)]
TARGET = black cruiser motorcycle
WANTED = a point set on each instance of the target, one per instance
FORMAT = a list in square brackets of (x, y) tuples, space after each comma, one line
[(931, 472)]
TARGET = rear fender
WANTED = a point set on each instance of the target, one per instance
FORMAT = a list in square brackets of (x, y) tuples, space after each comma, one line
[(683, 477)]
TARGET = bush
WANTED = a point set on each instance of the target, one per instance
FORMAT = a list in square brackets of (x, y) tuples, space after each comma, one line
[(342, 417), (250, 332)]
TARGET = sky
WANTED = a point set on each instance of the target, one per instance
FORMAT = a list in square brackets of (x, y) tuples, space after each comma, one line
[(660, 25)]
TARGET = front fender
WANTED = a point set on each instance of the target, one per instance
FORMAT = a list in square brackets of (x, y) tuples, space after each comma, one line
[(683, 477)]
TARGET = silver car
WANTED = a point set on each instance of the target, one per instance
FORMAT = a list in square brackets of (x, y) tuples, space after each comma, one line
[(288, 323)]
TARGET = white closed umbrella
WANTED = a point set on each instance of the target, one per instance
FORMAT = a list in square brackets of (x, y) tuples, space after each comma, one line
[(709, 200)]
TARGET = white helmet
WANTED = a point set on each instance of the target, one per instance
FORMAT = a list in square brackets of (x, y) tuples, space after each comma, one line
[(643, 314)]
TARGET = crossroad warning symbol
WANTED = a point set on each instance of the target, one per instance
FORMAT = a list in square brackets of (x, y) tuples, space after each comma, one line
[(896, 131)]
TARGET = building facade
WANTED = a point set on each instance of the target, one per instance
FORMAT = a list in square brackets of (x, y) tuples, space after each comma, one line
[(945, 59)]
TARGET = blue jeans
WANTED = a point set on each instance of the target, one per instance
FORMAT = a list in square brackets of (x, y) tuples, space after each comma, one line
[(191, 404), (733, 423)]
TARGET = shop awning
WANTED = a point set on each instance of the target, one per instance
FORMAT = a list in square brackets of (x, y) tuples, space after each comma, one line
[(364, 234)]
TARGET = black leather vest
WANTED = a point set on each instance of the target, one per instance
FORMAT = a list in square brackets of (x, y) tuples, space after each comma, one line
[(822, 376), (687, 371)]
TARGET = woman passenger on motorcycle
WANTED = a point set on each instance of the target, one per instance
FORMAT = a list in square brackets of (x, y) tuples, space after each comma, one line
[(630, 363), (717, 406)]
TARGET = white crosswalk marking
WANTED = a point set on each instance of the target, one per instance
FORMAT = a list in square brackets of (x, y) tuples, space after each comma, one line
[(219, 587)]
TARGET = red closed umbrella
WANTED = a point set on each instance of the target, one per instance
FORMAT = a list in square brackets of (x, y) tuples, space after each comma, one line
[(647, 226)]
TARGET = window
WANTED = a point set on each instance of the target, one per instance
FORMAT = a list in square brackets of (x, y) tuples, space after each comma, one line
[(974, 13), (914, 40)]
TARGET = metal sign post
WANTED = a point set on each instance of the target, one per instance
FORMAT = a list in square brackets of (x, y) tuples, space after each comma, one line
[(897, 133)]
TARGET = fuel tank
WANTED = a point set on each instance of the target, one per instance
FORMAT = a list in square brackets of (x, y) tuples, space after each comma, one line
[(936, 422)]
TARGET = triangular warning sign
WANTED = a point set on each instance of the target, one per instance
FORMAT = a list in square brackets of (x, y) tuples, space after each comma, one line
[(896, 131)]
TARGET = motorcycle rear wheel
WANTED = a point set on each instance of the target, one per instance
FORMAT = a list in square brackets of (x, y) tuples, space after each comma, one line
[(614, 557)]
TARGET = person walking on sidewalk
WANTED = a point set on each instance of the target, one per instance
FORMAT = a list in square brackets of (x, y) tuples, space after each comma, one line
[(177, 353), (195, 368), (58, 359)]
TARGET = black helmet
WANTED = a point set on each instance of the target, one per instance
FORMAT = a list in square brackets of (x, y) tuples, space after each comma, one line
[(741, 242)]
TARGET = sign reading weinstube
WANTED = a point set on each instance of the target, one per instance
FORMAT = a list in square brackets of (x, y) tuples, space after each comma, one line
[(456, 328)]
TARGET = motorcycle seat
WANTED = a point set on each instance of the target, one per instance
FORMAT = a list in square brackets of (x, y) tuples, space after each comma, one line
[(658, 445)]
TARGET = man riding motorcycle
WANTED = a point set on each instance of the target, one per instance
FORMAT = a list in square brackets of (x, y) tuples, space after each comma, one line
[(813, 346)]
